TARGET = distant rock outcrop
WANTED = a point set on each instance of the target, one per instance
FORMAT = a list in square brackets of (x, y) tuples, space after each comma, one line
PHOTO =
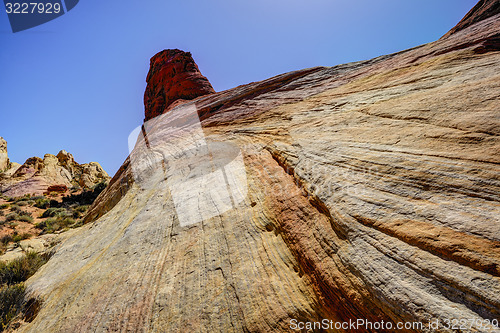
[(36, 176), (4, 158), (57, 188), (371, 192), (173, 76)]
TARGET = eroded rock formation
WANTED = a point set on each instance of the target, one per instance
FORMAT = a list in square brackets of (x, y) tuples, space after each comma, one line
[(371, 191), (4, 158), (173, 75), (36, 176)]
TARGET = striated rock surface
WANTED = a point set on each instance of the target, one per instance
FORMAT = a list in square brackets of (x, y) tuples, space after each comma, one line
[(173, 76), (37, 176), (482, 10), (369, 190)]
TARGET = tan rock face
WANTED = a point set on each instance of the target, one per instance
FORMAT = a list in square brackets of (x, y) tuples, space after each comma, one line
[(36, 176), (371, 191), (4, 159), (92, 174)]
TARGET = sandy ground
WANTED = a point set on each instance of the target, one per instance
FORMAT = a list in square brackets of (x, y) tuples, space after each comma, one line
[(20, 227)]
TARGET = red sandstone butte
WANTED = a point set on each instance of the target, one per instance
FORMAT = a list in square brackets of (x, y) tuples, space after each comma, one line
[(57, 188), (173, 75)]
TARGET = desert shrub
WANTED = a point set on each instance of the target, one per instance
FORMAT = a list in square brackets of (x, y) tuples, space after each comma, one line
[(51, 212), (16, 211), (12, 300), (11, 217), (17, 238), (75, 188), (86, 197), (82, 209), (22, 203), (24, 213), (6, 239), (42, 202), (78, 211), (54, 224), (12, 289), (4, 206), (21, 269), (25, 218), (22, 199)]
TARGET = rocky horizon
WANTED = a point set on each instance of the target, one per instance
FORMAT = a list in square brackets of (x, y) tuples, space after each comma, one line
[(36, 176)]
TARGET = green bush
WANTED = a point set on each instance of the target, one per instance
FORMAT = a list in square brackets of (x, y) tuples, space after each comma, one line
[(54, 224), (22, 203), (23, 198), (51, 212), (4, 206), (6, 239), (19, 211), (12, 300), (42, 202), (12, 289), (78, 211), (20, 269), (19, 216), (15, 208), (25, 218), (82, 209), (11, 217), (86, 197), (17, 238)]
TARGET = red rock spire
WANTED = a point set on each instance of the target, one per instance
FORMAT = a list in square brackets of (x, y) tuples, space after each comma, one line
[(173, 75)]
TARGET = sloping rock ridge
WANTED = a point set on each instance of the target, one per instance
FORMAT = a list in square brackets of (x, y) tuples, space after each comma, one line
[(482, 10), (365, 191), (37, 176)]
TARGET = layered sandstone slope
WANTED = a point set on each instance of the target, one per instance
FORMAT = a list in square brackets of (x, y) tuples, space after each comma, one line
[(37, 175), (370, 190)]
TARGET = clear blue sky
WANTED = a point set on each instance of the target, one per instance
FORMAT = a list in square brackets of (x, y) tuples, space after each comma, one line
[(77, 82)]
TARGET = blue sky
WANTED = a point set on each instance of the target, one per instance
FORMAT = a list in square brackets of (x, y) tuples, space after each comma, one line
[(77, 82)]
